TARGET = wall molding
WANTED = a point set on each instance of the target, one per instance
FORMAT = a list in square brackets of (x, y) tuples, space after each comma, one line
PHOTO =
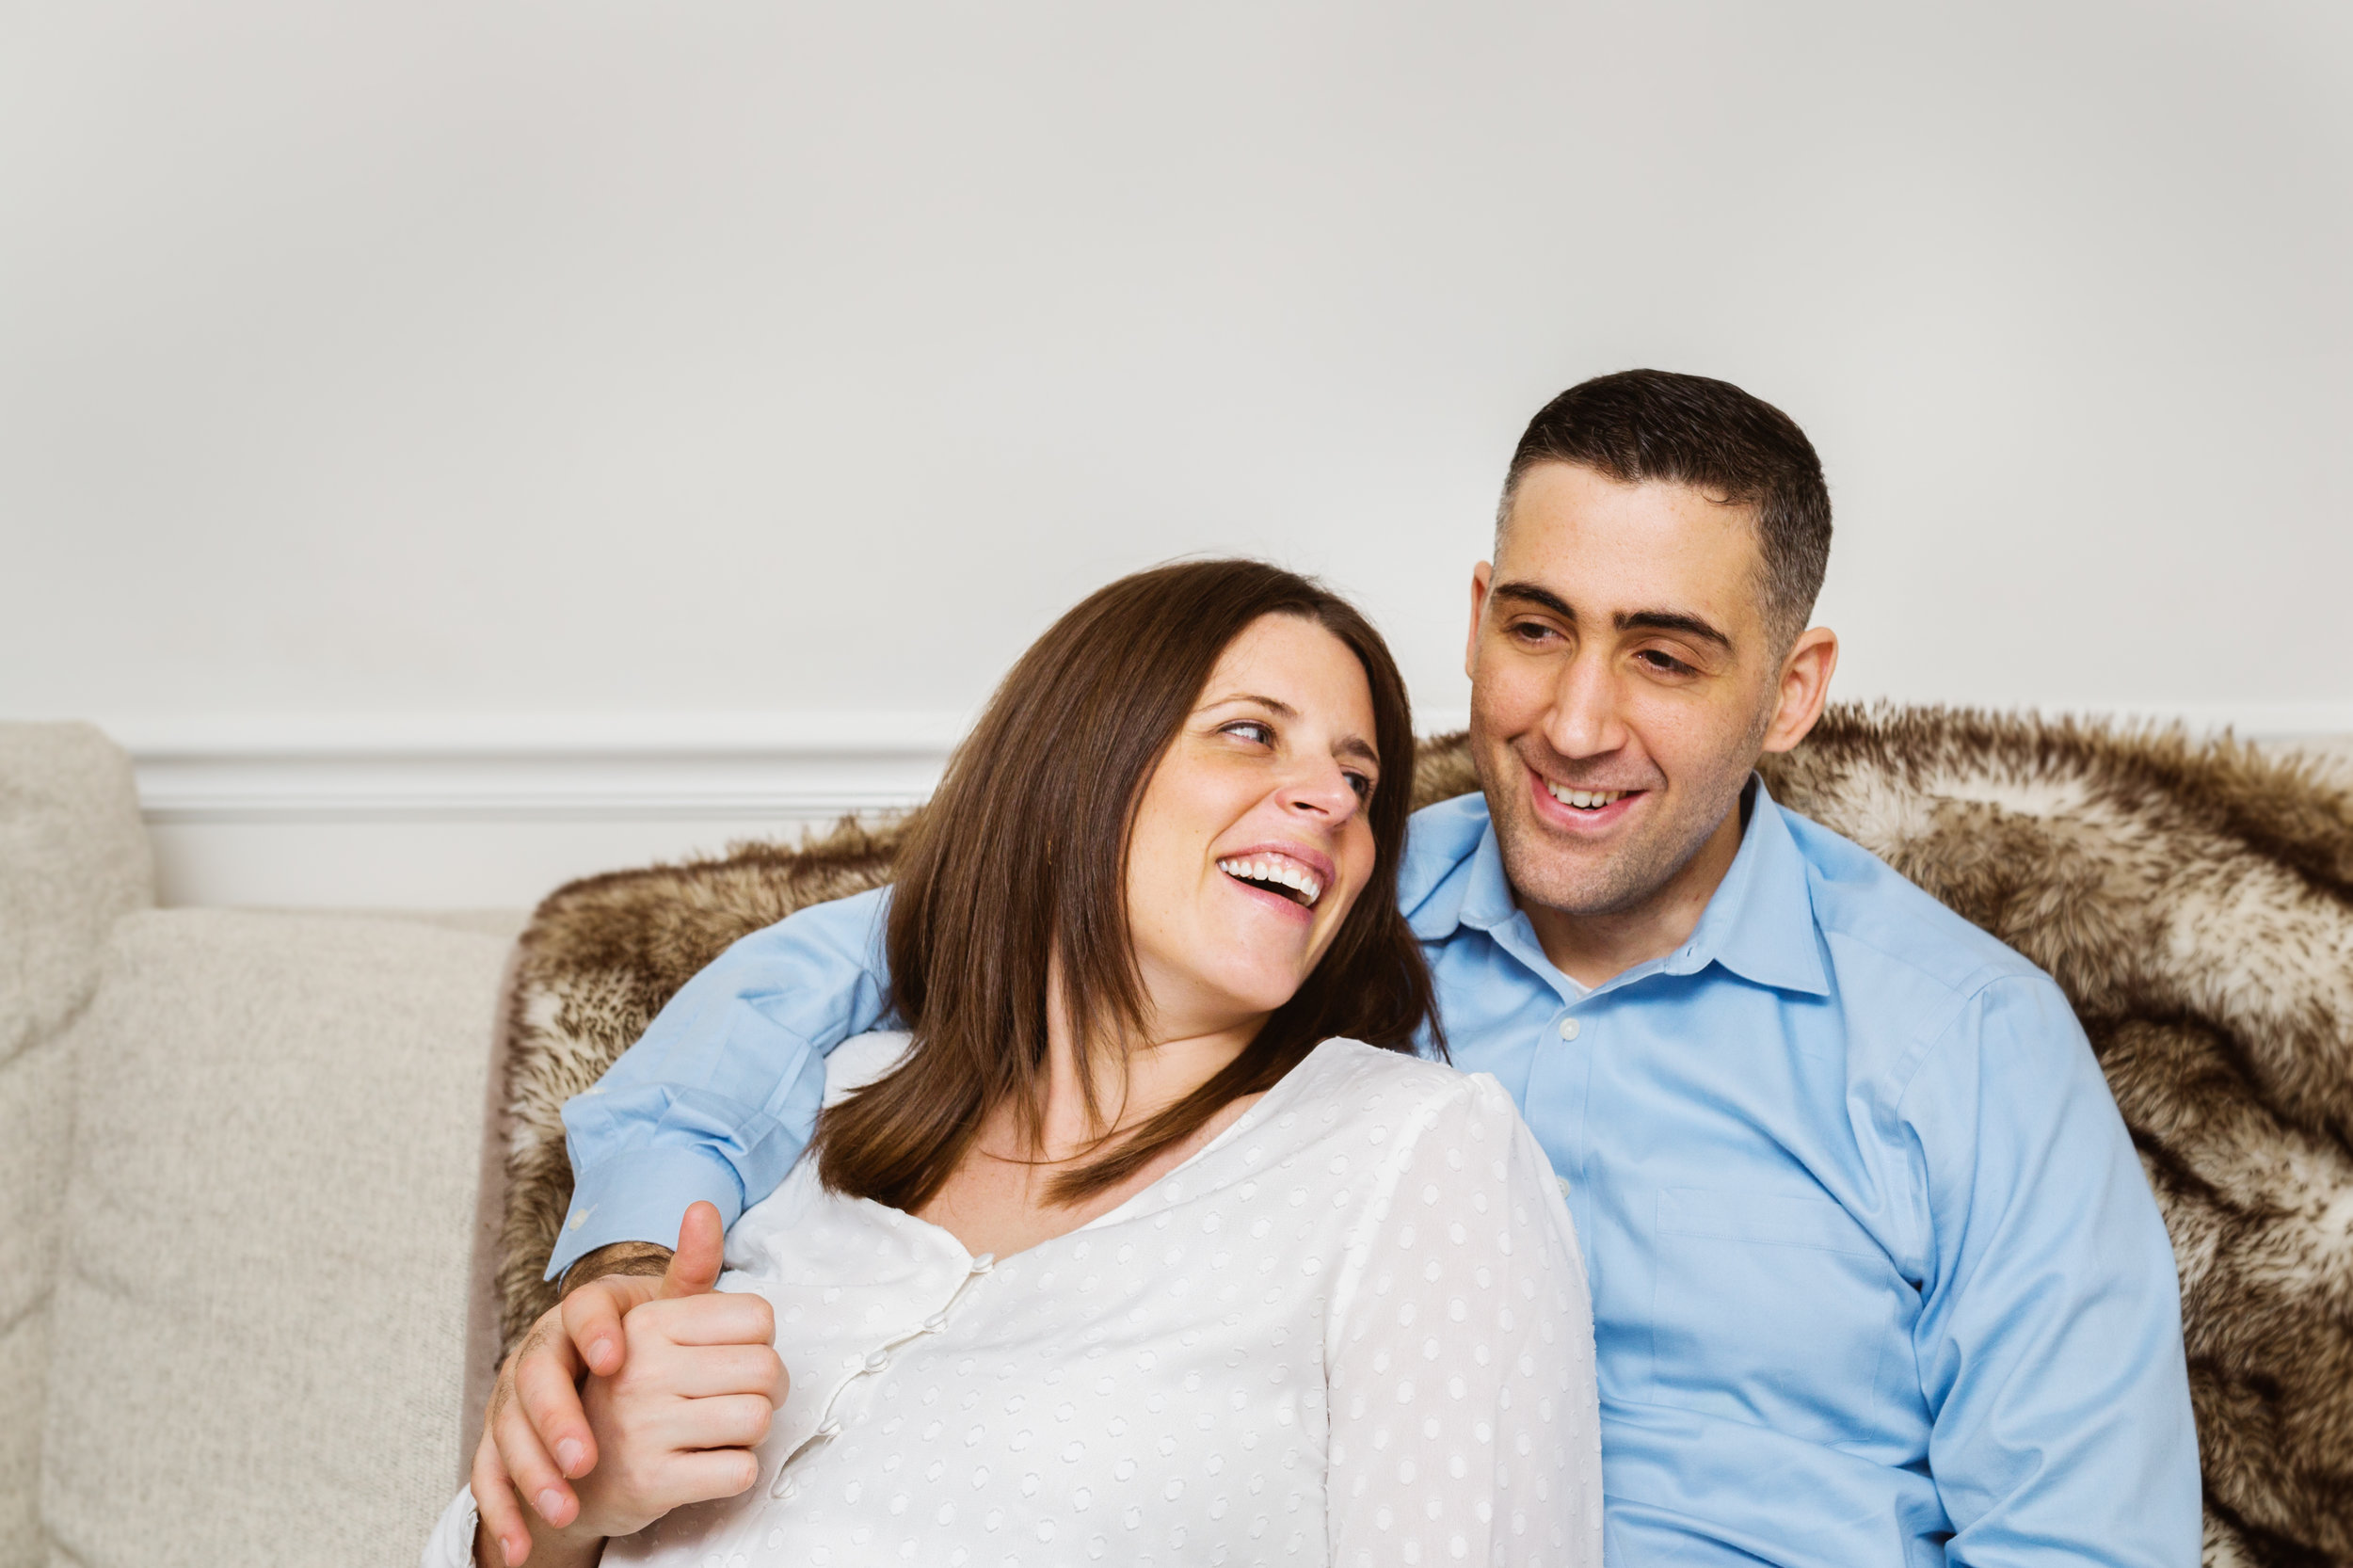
[(735, 767), (677, 767)]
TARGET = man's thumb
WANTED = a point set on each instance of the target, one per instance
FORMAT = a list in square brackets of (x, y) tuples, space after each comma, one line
[(701, 1247)]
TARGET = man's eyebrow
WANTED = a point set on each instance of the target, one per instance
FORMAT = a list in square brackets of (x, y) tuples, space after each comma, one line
[(1672, 620), (1543, 599), (1626, 620), (1346, 746)]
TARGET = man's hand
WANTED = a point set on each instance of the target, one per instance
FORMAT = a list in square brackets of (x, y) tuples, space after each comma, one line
[(536, 1411)]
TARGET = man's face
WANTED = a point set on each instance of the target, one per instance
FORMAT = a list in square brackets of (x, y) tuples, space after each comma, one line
[(1624, 680)]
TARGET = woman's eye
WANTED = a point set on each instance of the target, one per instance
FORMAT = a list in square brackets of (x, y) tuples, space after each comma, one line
[(1252, 729), (1362, 784)]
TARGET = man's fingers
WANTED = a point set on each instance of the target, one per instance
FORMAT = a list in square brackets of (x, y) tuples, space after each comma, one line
[(494, 1499), (545, 1387), (592, 1319), (535, 1476), (701, 1250)]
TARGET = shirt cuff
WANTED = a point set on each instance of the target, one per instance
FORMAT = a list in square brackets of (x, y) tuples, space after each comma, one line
[(450, 1544), (641, 1195)]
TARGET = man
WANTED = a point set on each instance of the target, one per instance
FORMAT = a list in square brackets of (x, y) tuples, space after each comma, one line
[(1876, 1275)]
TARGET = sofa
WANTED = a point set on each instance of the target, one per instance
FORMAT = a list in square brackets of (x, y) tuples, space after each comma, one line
[(255, 1165), (241, 1157)]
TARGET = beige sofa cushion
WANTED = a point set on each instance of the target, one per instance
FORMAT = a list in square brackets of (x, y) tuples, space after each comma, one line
[(260, 1330), (74, 859)]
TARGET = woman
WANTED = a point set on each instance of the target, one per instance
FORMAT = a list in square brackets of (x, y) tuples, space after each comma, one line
[(1152, 1240)]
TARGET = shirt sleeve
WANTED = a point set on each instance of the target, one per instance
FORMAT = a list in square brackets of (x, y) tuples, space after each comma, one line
[(450, 1544), (718, 1097), (1465, 1422), (2049, 1341)]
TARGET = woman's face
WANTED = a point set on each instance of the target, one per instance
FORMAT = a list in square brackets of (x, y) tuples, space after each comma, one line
[(1252, 842)]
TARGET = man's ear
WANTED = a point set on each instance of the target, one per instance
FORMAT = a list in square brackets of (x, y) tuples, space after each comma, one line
[(1806, 673), (1482, 575)]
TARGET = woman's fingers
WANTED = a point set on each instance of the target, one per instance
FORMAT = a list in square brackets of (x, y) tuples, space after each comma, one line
[(707, 1371), (722, 1422), (714, 1318), (699, 1476), (701, 1240)]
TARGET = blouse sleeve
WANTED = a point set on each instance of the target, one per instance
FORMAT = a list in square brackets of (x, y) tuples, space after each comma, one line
[(1465, 1422), (450, 1544)]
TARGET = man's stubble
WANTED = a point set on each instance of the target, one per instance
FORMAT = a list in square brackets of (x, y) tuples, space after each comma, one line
[(1638, 870)]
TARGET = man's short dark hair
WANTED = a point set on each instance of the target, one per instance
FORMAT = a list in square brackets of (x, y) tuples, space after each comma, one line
[(1646, 424)]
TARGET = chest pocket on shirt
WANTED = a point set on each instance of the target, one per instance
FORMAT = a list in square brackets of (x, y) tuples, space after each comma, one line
[(1779, 1310)]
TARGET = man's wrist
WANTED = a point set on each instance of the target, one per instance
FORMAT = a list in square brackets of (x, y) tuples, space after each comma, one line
[(615, 1258)]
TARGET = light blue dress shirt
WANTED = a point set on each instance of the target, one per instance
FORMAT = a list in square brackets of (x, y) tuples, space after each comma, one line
[(1876, 1278)]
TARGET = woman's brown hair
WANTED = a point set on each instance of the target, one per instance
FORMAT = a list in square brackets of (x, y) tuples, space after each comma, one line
[(1021, 857)]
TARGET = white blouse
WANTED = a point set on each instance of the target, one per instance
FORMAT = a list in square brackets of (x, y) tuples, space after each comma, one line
[(1353, 1328)]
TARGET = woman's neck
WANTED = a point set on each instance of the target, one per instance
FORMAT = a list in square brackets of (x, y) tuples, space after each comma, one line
[(999, 1200)]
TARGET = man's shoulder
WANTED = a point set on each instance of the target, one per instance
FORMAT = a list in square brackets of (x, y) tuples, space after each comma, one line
[(1876, 921), (1440, 839)]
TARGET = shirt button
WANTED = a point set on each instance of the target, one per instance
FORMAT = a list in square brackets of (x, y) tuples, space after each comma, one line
[(984, 1263), (876, 1362), (1569, 1029), (1564, 1185), (933, 1323)]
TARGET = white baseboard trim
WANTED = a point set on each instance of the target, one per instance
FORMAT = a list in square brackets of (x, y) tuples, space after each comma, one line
[(686, 767), (451, 812), (735, 767)]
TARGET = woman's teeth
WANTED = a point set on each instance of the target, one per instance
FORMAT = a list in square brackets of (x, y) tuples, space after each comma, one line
[(1275, 873), (1586, 798)]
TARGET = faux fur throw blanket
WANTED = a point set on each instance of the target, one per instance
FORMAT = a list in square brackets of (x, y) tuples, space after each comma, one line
[(2196, 901)]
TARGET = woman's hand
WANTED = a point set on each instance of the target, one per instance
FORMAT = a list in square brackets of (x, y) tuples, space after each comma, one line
[(698, 1384), (692, 1380)]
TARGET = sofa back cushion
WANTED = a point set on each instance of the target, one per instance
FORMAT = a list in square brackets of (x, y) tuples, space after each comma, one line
[(74, 859), (260, 1311)]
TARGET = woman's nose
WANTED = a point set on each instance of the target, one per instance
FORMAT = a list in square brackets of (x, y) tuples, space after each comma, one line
[(1322, 792)]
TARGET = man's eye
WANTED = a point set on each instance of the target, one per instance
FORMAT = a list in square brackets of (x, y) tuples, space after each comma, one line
[(1664, 663), (1533, 631)]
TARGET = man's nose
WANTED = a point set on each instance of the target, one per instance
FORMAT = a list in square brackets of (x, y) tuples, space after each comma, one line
[(1584, 720)]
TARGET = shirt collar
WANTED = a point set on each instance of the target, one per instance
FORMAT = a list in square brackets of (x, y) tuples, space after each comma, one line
[(1759, 922)]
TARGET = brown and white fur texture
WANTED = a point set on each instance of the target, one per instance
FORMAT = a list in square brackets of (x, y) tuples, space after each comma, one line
[(2194, 900)]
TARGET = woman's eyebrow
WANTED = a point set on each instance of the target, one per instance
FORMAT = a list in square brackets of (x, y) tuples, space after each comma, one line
[(1346, 746), (1271, 704)]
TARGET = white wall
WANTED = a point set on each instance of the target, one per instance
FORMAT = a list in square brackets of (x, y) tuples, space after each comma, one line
[(467, 390)]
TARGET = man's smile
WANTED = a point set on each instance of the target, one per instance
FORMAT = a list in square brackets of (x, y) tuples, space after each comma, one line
[(1580, 810)]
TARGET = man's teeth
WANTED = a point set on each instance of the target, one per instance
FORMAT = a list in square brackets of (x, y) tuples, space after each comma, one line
[(1587, 798), (1259, 868)]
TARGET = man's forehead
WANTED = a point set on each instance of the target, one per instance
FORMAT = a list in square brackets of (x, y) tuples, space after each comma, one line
[(1608, 547)]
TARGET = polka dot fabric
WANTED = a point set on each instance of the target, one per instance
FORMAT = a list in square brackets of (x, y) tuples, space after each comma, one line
[(1353, 1329)]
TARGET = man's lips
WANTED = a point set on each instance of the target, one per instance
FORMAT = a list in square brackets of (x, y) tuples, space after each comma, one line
[(1578, 808)]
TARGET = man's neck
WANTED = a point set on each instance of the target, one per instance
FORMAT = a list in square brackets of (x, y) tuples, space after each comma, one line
[(1593, 950)]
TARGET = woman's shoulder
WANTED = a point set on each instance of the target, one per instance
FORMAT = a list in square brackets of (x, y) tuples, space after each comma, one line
[(1347, 1075)]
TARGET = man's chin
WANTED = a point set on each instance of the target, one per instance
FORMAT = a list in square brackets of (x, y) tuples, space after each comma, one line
[(1571, 884)]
